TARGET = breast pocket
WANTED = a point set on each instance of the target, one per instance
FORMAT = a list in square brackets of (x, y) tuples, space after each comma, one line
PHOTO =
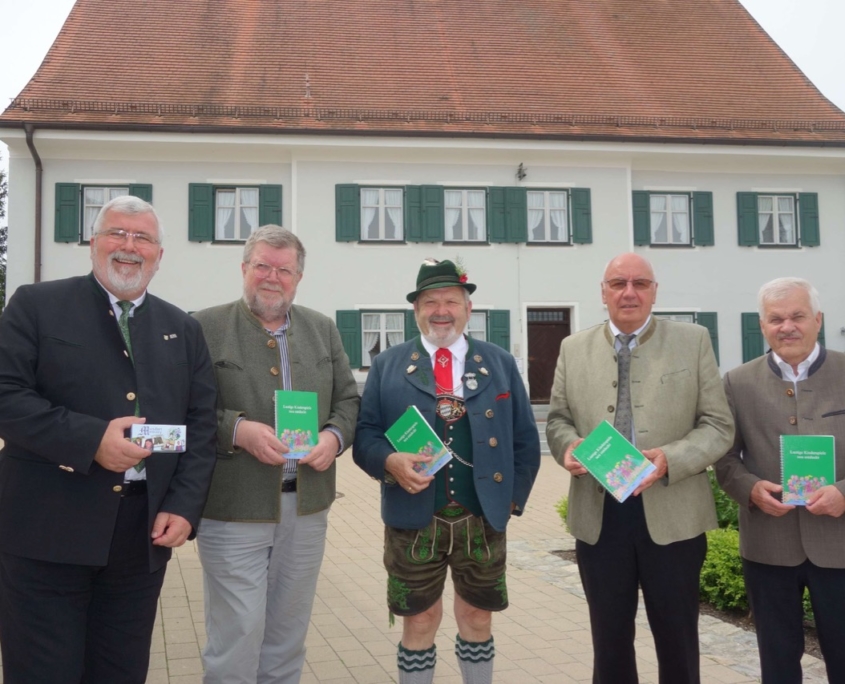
[(675, 376)]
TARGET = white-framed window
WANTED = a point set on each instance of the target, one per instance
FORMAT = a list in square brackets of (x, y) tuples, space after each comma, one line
[(466, 215), (776, 216), (477, 325), (236, 213), (94, 198), (680, 317), (380, 331), (547, 216), (381, 214), (670, 219)]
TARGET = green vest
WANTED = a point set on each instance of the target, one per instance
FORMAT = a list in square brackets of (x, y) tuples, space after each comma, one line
[(454, 482)]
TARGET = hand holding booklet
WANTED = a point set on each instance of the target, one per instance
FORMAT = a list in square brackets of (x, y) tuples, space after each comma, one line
[(412, 434), (613, 461), (296, 421)]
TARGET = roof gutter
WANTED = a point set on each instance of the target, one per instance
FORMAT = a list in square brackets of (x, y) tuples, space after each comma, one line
[(39, 172)]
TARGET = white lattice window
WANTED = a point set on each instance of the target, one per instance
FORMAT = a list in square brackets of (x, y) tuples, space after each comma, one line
[(236, 213), (466, 215), (670, 219), (95, 198), (547, 217), (381, 214), (380, 331), (776, 216)]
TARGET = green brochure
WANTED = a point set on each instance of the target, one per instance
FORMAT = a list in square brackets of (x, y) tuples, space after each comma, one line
[(613, 461), (808, 463), (412, 434), (296, 421)]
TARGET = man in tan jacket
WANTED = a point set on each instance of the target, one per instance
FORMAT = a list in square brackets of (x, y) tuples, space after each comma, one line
[(797, 389), (263, 531), (658, 383)]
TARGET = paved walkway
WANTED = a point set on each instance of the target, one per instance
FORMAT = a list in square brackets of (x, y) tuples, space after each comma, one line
[(543, 637)]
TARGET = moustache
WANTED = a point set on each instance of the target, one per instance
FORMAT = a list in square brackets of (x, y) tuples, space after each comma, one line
[(125, 256), (441, 319)]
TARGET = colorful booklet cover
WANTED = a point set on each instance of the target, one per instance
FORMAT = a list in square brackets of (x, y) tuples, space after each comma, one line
[(412, 434), (613, 461), (296, 421), (166, 438), (808, 463)]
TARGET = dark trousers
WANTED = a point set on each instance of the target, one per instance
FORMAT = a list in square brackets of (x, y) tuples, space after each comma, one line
[(775, 593), (78, 624), (612, 570)]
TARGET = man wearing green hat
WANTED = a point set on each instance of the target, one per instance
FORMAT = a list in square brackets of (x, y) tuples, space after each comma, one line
[(472, 395)]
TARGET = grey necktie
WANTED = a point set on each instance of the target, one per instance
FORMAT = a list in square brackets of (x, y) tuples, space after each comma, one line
[(123, 323), (624, 418)]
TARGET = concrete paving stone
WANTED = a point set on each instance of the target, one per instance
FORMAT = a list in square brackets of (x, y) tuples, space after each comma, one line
[(180, 636), (158, 677), (158, 661), (382, 647), (187, 650), (356, 658), (184, 666), (370, 674), (333, 630), (186, 679), (331, 670), (344, 643)]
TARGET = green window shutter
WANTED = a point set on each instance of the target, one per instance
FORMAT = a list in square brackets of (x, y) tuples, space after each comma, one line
[(821, 334), (516, 213), (746, 219), (410, 325), (67, 212), (808, 219), (499, 328), (348, 216), (711, 322), (582, 216), (143, 191), (432, 213), (269, 205), (496, 216), (413, 213), (642, 217), (752, 337), (349, 326), (200, 212), (702, 220)]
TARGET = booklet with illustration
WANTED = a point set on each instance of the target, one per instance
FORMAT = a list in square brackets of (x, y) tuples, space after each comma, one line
[(165, 438), (613, 461), (412, 434), (296, 421), (808, 463)]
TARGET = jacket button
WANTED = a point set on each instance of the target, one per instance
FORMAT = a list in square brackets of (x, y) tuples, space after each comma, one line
[(790, 392), (489, 413), (131, 396), (117, 488), (614, 383), (793, 420), (493, 442), (271, 344), (600, 489), (497, 477), (274, 371), (610, 409)]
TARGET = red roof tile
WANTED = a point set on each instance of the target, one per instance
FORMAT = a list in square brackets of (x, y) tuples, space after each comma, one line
[(699, 70)]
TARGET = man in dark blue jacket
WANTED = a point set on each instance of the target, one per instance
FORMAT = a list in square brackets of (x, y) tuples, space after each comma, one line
[(472, 394), (87, 518)]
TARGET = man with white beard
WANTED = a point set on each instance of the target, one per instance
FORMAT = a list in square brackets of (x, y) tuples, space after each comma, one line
[(472, 395), (87, 518)]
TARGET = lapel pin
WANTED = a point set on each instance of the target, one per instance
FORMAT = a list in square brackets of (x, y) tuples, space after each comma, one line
[(410, 369), (415, 356), (477, 358), (483, 371), (471, 382)]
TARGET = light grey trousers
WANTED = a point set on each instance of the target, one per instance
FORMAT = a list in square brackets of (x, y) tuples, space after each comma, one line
[(260, 580)]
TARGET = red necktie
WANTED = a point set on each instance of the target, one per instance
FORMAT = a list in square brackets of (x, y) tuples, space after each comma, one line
[(443, 371)]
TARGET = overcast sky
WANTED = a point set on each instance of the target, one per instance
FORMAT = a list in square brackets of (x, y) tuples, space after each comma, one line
[(809, 31)]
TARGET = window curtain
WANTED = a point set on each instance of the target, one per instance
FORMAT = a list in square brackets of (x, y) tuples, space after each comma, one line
[(786, 220), (453, 200), (659, 229), (476, 201), (249, 211), (680, 219), (765, 208), (557, 215), (536, 214), (225, 214), (94, 201), (393, 208), (369, 209)]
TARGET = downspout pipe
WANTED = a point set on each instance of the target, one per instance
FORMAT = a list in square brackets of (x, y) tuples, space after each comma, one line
[(30, 143)]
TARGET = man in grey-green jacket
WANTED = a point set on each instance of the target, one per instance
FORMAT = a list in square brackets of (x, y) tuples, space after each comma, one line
[(262, 536)]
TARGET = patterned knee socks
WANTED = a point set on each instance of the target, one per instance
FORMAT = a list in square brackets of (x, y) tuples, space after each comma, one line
[(475, 660), (416, 667)]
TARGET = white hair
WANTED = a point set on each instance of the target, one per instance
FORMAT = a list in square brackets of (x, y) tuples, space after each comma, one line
[(128, 205), (780, 288)]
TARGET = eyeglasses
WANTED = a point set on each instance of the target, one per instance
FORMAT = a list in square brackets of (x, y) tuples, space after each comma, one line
[(619, 284), (120, 235), (264, 270)]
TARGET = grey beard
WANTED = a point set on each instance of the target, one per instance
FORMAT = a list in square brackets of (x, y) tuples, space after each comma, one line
[(266, 312), (122, 284)]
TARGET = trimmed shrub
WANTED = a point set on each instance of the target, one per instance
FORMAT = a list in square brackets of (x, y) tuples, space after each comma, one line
[(722, 584), (727, 510), (562, 507)]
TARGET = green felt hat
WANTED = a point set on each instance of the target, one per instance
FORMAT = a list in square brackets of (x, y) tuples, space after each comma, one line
[(436, 274)]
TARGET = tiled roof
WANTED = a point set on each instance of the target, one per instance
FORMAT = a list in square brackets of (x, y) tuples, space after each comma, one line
[(699, 70)]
